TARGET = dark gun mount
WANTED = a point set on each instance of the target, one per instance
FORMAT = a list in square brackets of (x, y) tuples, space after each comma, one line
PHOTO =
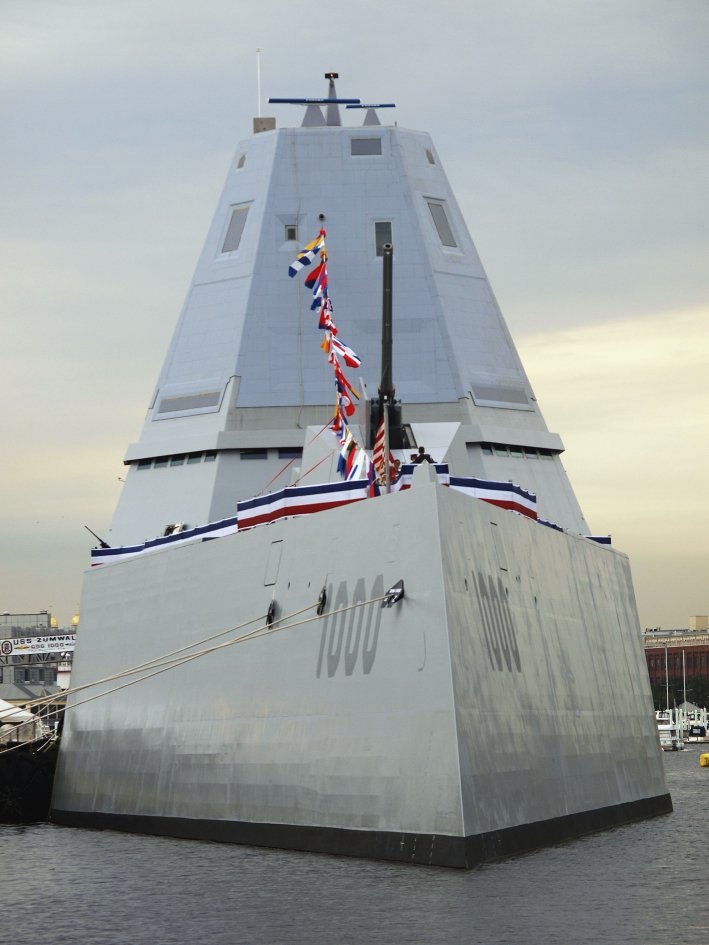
[(100, 540), (387, 395)]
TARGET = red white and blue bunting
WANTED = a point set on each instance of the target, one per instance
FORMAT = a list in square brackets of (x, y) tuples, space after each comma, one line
[(306, 500), (298, 500)]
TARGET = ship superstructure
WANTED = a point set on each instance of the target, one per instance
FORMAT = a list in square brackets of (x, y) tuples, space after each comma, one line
[(244, 372), (466, 720)]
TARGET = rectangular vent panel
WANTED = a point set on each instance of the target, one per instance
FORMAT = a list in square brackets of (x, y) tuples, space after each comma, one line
[(365, 146), (190, 402), (489, 395)]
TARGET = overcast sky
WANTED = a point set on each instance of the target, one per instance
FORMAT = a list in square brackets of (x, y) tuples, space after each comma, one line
[(575, 135)]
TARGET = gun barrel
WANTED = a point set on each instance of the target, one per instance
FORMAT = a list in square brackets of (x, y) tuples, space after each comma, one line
[(386, 389)]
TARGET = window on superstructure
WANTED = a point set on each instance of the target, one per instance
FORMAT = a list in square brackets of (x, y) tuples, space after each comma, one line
[(242, 160), (194, 458), (440, 221), (382, 235), (429, 155), (290, 452), (161, 462), (145, 463), (235, 230), (253, 454), (360, 146), (210, 456), (291, 232), (177, 460), (518, 452)]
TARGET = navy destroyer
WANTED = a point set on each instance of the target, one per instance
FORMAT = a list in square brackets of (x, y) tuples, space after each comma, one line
[(445, 673)]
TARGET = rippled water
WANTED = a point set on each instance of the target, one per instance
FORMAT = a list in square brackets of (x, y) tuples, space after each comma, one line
[(647, 883)]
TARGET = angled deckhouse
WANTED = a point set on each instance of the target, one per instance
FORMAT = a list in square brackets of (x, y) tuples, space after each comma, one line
[(244, 372)]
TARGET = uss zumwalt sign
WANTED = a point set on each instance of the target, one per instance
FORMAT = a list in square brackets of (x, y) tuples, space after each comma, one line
[(23, 646)]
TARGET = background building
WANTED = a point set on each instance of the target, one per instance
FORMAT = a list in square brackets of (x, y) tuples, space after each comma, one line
[(32, 651), (679, 659)]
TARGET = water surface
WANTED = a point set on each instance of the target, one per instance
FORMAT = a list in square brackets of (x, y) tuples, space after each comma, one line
[(647, 883)]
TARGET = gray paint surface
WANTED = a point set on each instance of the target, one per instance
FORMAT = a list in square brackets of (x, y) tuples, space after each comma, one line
[(430, 717)]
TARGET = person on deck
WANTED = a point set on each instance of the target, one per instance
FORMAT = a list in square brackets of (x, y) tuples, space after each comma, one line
[(422, 456)]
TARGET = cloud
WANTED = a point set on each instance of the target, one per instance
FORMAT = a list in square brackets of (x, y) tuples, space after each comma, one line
[(631, 402), (574, 136)]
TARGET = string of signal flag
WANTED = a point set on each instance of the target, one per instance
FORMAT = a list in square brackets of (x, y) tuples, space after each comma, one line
[(353, 459)]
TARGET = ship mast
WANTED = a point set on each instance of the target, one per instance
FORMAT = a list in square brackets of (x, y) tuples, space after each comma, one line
[(386, 388), (386, 407)]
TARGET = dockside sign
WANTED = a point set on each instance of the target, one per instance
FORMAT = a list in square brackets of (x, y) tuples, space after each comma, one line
[(25, 646)]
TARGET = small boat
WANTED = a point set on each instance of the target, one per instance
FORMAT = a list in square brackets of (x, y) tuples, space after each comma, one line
[(671, 737)]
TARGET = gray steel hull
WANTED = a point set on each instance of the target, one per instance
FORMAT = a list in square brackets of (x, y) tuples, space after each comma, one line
[(501, 705)]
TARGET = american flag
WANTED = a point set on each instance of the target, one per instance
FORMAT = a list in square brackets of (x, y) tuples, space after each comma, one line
[(378, 455)]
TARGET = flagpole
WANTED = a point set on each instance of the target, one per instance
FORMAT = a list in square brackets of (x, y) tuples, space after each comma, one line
[(258, 80), (386, 390), (387, 466)]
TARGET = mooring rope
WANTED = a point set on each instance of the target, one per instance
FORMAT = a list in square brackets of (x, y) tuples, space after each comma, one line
[(157, 660), (172, 660)]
